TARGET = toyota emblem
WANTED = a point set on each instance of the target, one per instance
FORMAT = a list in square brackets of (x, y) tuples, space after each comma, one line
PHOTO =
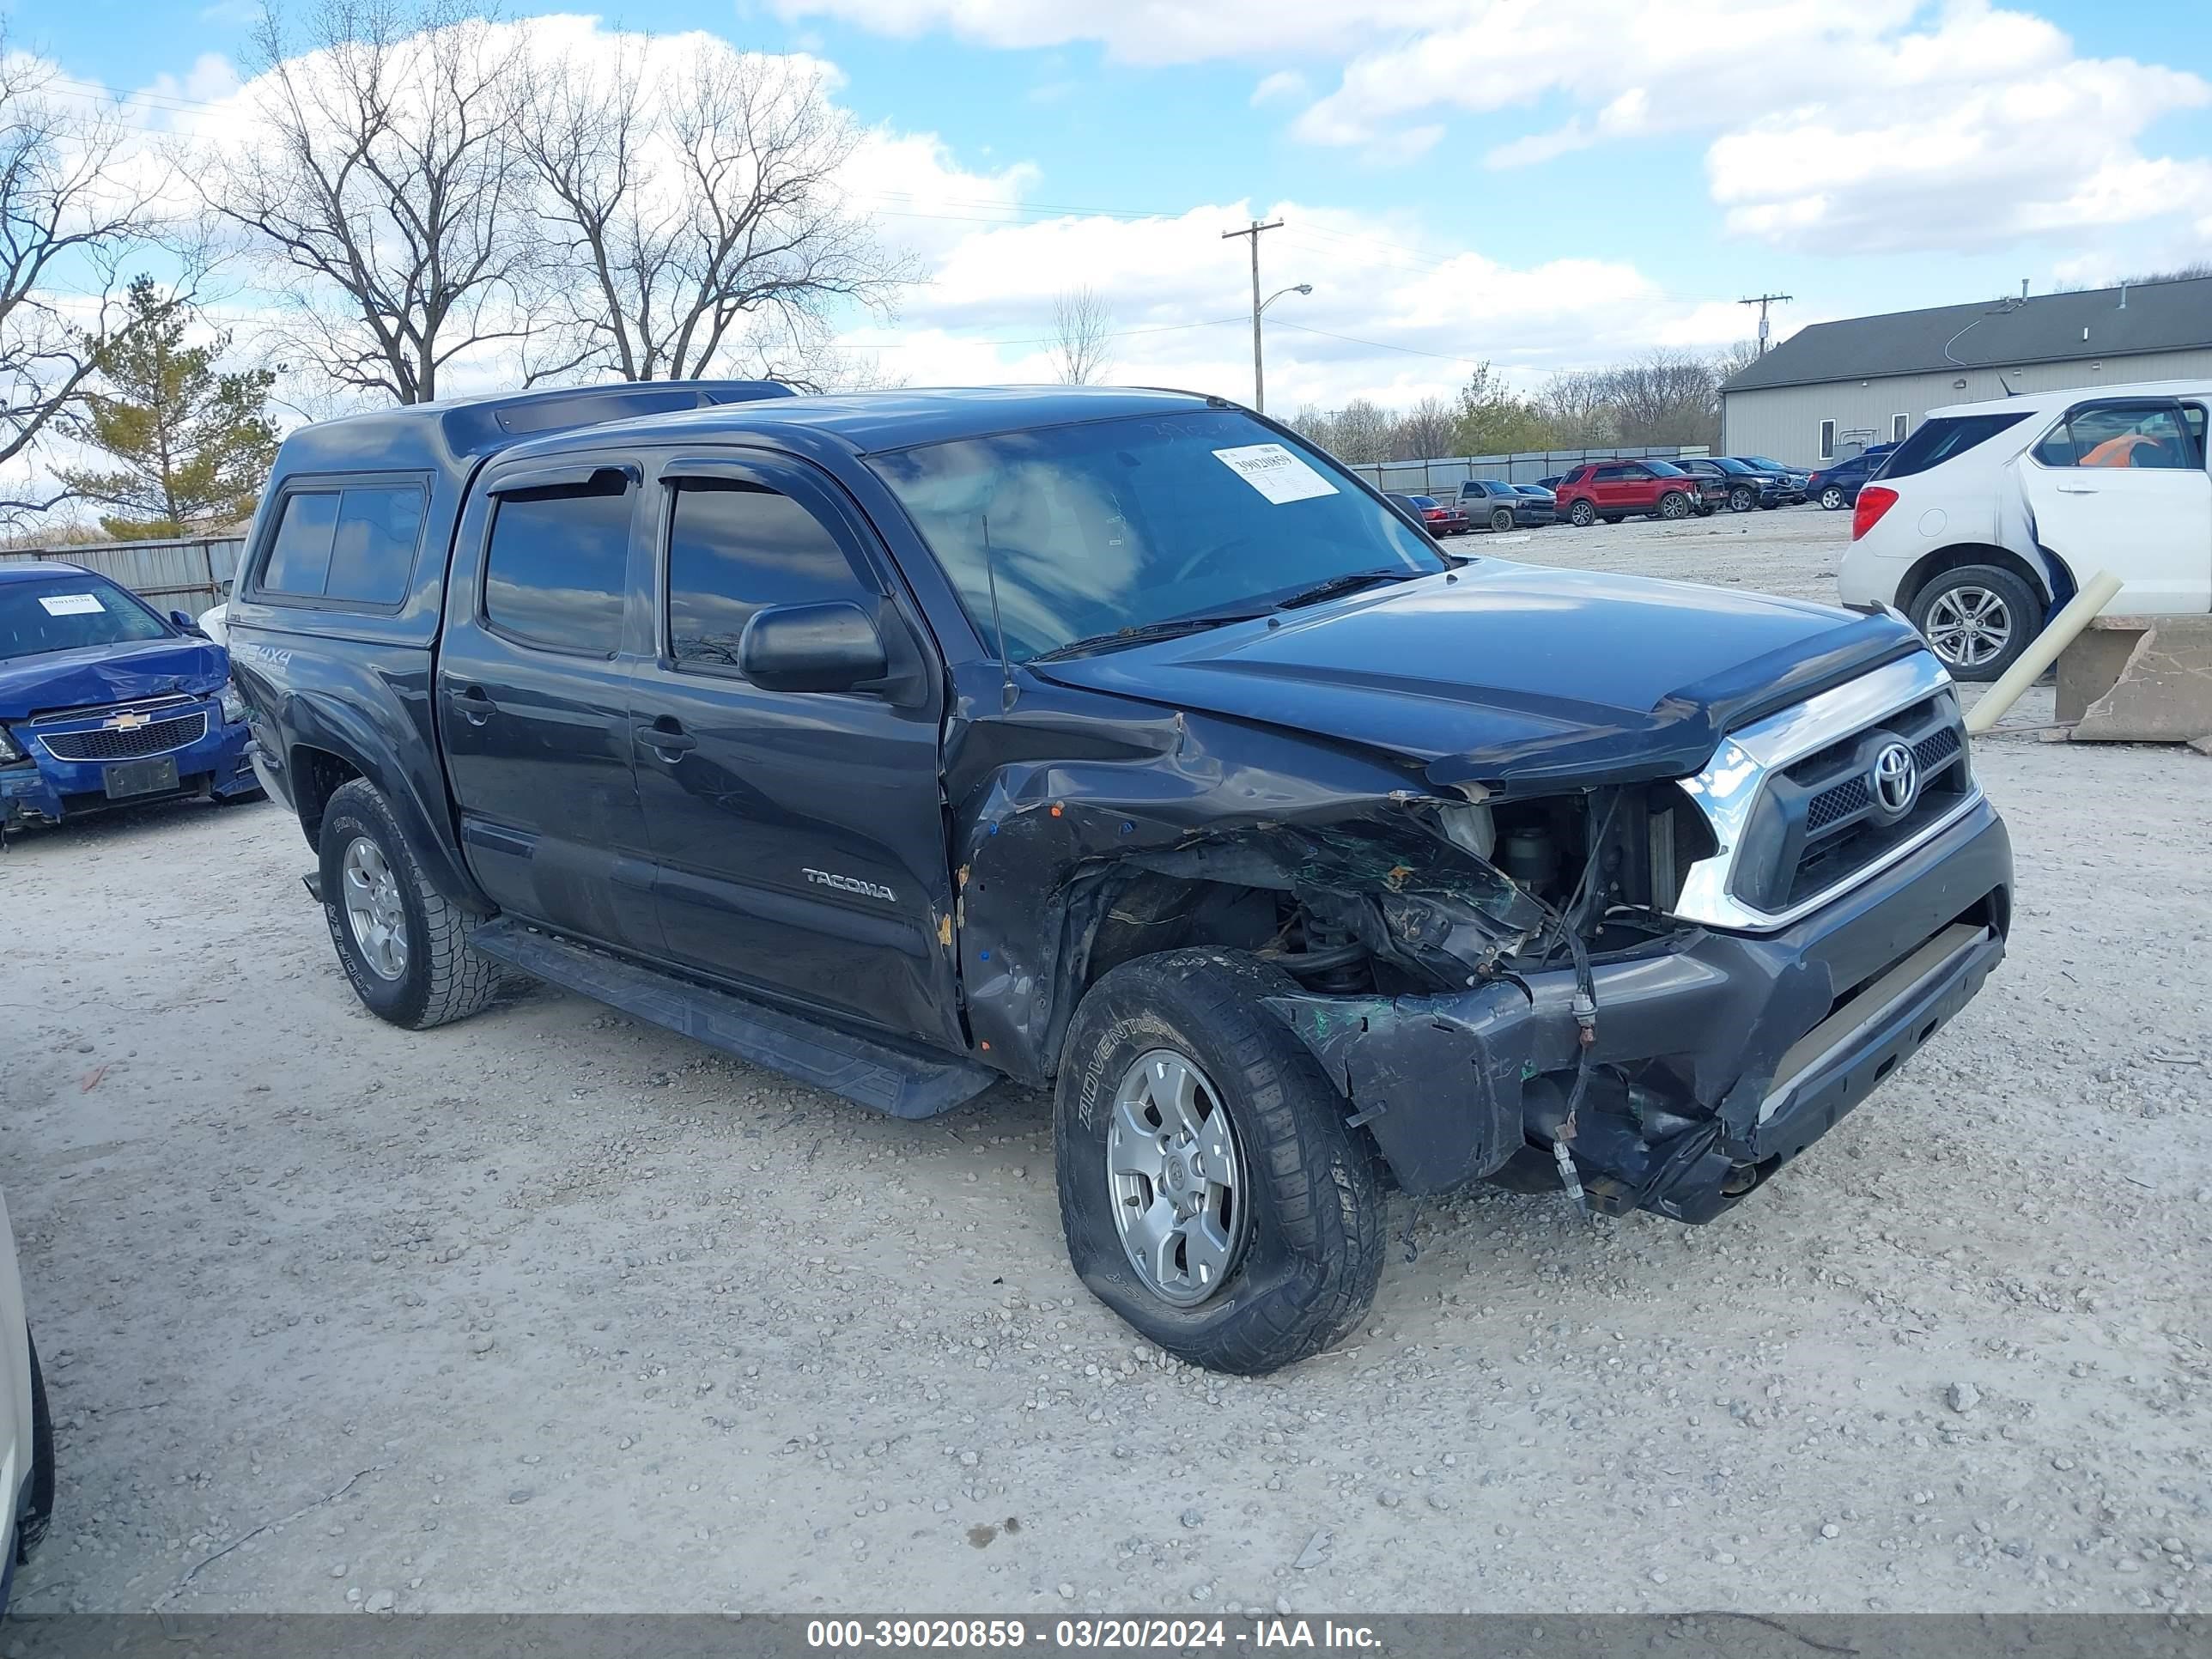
[(1896, 779)]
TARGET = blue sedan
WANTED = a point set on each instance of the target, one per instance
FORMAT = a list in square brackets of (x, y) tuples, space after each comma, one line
[(103, 702)]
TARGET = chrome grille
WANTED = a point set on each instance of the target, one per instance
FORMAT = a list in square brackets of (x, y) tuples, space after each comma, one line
[(107, 743), (1790, 801)]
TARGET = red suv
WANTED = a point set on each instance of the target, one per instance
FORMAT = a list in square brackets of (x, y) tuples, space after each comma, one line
[(1613, 490)]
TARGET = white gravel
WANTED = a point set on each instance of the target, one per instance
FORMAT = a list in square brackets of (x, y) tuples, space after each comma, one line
[(571, 1313)]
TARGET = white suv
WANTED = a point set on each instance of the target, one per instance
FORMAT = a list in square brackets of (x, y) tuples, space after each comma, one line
[(1987, 519)]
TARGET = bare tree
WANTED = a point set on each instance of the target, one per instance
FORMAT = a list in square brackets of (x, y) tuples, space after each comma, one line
[(1425, 431), (698, 210), (1578, 405), (378, 166), (1360, 431), (1732, 361), (72, 213), (1666, 397), (1082, 324)]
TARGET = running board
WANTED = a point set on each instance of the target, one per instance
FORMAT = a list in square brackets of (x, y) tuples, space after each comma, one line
[(866, 1071)]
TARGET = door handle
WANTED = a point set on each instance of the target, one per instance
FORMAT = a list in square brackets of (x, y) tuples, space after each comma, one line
[(666, 739), (476, 707), (2077, 489)]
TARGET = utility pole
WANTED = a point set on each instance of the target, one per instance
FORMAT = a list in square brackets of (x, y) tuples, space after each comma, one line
[(1259, 379), (1762, 301)]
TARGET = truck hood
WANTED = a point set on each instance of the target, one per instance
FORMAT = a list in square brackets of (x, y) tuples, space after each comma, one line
[(99, 674), (1516, 678)]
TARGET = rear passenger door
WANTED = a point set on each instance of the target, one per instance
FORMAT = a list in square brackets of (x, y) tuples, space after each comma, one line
[(533, 697), (798, 837), (2121, 485)]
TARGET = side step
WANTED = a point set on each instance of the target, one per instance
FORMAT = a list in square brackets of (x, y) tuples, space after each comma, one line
[(866, 1071)]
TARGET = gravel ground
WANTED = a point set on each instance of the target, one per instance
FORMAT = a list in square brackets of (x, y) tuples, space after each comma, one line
[(550, 1310)]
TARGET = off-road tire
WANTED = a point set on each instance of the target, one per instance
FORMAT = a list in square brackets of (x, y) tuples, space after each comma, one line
[(1314, 1243), (1832, 498), (1581, 515), (444, 979), (2022, 603), (1501, 520), (38, 1511), (1673, 504), (1740, 499)]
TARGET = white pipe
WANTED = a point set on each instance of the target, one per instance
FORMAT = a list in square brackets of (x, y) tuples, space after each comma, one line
[(2043, 651)]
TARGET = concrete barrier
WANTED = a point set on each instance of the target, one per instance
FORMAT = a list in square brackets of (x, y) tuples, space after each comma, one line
[(2139, 679)]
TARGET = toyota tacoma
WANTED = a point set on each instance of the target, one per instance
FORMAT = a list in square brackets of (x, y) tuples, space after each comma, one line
[(1119, 743)]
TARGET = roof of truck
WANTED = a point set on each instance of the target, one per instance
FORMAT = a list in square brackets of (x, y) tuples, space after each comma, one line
[(872, 421), (452, 437)]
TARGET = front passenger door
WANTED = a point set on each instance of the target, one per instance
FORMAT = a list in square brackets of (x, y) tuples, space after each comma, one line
[(798, 837), (2121, 485)]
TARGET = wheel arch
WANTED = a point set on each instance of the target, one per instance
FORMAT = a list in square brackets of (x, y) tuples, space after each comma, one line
[(328, 751), (1961, 554)]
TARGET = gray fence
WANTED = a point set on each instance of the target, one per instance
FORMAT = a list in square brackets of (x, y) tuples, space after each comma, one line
[(1443, 476), (186, 575)]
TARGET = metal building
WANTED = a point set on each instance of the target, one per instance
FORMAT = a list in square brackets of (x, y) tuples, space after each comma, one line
[(1831, 389)]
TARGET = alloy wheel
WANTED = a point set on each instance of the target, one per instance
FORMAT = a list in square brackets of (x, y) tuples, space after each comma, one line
[(375, 914), (1969, 627), (1177, 1178)]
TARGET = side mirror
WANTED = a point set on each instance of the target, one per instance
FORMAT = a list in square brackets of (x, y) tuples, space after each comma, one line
[(185, 623), (833, 647)]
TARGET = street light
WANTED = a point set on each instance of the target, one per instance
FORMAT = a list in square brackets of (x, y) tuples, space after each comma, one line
[(1258, 377)]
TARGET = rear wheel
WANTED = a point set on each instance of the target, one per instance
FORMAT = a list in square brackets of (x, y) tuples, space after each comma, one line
[(1582, 513), (1673, 504), (403, 943), (1977, 619), (1831, 497), (1501, 517), (1740, 499), (1210, 1190)]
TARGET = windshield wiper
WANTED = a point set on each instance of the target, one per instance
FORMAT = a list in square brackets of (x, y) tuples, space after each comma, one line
[(1315, 592), (1168, 629)]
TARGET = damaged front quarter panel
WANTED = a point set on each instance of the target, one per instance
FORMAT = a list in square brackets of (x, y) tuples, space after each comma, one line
[(1105, 844)]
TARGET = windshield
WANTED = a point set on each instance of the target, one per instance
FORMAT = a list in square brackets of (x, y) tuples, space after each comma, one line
[(1124, 523), (1422, 501), (1666, 469), (67, 613), (1728, 465), (1770, 464)]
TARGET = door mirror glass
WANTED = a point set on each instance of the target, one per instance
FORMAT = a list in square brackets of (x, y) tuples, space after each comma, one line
[(832, 646)]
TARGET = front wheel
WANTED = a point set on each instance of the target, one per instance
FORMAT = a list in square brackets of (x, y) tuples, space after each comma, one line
[(403, 943), (1832, 498), (1977, 619), (1582, 514), (1673, 504), (1501, 518), (1740, 499), (1210, 1189)]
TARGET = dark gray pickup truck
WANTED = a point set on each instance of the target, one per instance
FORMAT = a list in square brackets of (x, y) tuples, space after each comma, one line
[(1119, 742)]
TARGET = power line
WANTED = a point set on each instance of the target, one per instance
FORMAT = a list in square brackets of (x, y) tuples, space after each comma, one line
[(1381, 345)]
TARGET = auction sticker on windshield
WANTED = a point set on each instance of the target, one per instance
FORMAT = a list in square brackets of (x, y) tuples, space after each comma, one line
[(1275, 472), (71, 604)]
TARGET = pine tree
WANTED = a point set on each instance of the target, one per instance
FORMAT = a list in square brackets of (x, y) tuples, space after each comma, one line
[(191, 444)]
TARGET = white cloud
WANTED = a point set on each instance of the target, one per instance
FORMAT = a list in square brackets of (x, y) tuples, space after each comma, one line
[(1956, 126)]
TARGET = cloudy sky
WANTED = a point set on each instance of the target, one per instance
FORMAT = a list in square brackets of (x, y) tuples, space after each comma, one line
[(1543, 184)]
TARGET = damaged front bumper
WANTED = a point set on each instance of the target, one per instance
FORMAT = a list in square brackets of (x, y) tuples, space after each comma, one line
[(1717, 1056)]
